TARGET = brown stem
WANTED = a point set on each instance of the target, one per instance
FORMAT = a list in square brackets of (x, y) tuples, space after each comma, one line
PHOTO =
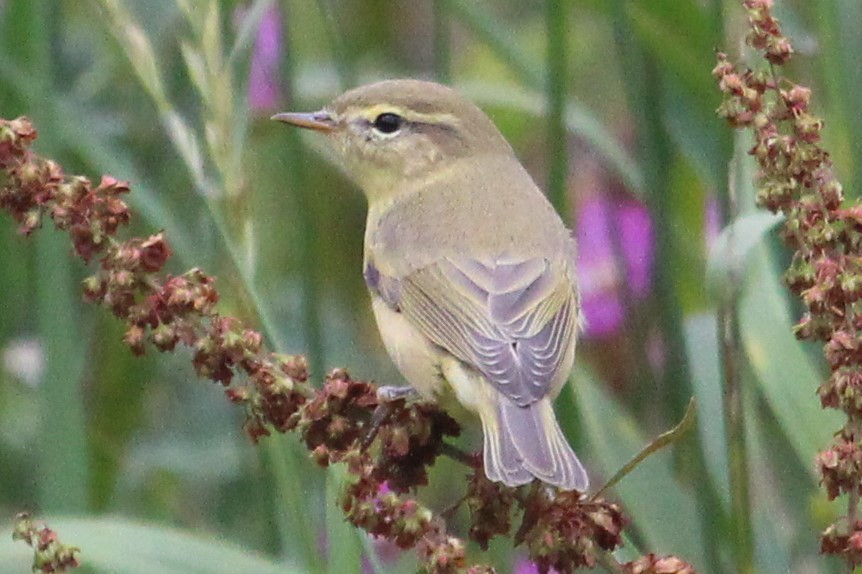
[(457, 454)]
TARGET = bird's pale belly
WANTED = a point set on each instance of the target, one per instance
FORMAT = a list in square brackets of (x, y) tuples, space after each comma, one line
[(422, 363), (416, 357)]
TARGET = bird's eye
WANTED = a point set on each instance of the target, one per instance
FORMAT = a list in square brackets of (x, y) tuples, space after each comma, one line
[(388, 123)]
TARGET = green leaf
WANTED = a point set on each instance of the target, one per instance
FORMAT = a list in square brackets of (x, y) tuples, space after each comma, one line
[(344, 541), (113, 545), (786, 376), (698, 133), (63, 452), (778, 499), (702, 349), (732, 249)]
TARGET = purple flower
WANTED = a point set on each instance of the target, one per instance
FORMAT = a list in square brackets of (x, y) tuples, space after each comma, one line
[(605, 225), (524, 566), (712, 223), (264, 90)]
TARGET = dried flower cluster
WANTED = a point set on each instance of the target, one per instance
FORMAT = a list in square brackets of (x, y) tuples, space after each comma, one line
[(386, 446), (564, 534), (796, 179), (160, 310), (49, 555), (652, 564)]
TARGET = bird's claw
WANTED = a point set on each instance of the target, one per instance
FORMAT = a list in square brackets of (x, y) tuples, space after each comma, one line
[(392, 394)]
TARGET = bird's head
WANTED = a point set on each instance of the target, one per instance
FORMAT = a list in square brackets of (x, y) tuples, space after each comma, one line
[(397, 133)]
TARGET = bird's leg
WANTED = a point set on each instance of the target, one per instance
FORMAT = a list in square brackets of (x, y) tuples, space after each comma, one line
[(378, 417), (386, 399)]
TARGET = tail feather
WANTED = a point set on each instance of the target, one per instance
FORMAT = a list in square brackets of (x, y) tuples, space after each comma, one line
[(526, 442), (502, 461), (521, 443)]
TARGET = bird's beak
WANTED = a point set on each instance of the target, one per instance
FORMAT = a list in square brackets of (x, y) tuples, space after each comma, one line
[(319, 121)]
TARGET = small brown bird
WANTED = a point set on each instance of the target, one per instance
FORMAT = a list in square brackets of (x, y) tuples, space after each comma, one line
[(470, 269)]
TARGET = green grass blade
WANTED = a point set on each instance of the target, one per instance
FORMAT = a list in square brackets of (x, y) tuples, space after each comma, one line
[(555, 21), (64, 463), (786, 376), (111, 545)]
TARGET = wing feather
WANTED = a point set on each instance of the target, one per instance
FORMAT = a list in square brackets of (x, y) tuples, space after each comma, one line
[(513, 321)]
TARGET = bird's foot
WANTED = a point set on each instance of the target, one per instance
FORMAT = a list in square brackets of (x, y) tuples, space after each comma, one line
[(392, 394)]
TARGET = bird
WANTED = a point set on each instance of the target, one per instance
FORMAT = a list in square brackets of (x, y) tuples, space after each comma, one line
[(470, 269)]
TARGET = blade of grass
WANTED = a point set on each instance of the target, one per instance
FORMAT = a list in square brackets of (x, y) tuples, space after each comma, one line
[(678, 36), (555, 92), (702, 349), (838, 82), (785, 375), (309, 248), (110, 545), (284, 459), (63, 480), (644, 94), (342, 539), (344, 543), (442, 42), (63, 451), (741, 529)]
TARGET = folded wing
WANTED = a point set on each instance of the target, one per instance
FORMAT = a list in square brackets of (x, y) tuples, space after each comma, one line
[(513, 321)]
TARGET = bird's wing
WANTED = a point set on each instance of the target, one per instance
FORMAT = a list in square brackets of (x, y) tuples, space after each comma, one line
[(513, 321)]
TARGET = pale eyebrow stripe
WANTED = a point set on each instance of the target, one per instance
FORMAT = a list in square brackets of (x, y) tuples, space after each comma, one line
[(372, 112)]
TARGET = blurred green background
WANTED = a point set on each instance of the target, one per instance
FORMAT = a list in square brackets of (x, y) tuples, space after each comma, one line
[(610, 105)]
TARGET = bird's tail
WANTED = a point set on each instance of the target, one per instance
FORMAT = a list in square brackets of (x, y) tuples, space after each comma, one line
[(526, 442)]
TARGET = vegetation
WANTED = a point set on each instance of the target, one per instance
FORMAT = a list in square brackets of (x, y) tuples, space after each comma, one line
[(611, 106)]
